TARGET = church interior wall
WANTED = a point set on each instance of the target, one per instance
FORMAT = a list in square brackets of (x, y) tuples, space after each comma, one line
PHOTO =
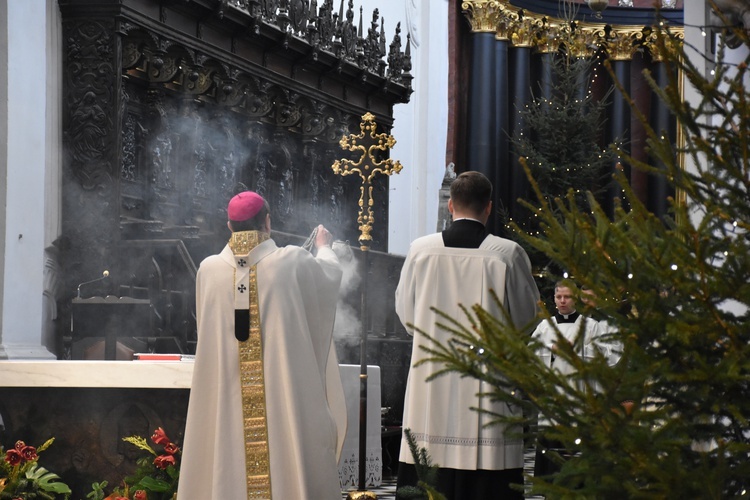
[(26, 168), (3, 152)]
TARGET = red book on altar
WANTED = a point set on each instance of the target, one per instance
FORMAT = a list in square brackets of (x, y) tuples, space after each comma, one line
[(152, 356)]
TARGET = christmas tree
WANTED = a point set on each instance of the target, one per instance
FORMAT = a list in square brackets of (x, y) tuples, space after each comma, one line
[(670, 419), (560, 139)]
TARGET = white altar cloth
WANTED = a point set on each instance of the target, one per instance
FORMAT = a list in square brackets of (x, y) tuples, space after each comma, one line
[(120, 374), (349, 463)]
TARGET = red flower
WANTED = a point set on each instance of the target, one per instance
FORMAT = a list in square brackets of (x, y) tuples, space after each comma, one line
[(164, 461), (20, 445), (171, 448), (29, 453), (13, 457), (140, 495), (159, 436)]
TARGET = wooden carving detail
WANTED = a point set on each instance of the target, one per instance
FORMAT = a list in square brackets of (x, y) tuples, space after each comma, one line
[(91, 103)]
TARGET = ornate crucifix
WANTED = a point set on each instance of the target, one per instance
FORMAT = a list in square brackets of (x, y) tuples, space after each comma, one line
[(372, 145), (369, 143)]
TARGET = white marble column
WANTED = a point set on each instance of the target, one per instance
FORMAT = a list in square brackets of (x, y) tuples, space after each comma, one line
[(30, 170)]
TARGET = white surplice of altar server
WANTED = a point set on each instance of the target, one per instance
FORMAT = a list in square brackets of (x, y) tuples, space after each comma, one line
[(577, 329), (462, 265)]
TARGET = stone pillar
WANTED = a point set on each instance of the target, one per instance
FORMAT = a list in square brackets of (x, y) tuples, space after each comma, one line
[(521, 95), (502, 179), (481, 120), (29, 34), (621, 50), (659, 190)]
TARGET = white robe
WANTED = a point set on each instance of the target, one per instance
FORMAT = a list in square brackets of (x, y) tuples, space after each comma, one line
[(545, 333), (438, 412), (305, 407), (590, 344)]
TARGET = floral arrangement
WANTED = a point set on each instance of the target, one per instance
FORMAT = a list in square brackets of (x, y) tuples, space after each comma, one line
[(156, 476), (21, 476)]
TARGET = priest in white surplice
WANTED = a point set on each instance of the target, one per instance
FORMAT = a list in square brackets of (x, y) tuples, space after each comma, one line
[(266, 415), (461, 265)]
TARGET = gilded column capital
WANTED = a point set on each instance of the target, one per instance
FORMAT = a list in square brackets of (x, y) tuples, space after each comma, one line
[(662, 45), (549, 39), (483, 15), (506, 23), (585, 42), (524, 31), (623, 44)]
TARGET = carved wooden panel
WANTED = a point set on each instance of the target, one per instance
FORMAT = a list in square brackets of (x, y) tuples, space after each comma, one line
[(172, 107)]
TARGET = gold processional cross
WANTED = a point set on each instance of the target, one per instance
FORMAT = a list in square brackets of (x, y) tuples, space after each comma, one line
[(370, 144)]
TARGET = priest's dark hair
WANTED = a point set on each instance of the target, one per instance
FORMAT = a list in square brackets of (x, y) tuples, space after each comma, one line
[(255, 223), (471, 191)]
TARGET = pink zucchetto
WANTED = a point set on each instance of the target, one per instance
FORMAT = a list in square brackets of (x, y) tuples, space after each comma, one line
[(244, 206)]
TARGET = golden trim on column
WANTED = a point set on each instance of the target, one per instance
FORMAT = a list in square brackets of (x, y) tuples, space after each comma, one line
[(483, 15)]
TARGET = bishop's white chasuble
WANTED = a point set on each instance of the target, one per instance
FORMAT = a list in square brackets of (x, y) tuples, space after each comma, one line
[(266, 417)]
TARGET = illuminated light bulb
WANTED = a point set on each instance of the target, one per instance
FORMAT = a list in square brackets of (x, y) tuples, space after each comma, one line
[(674, 267), (578, 441), (630, 276)]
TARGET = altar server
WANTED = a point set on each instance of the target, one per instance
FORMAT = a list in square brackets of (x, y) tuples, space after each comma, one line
[(460, 266), (266, 415)]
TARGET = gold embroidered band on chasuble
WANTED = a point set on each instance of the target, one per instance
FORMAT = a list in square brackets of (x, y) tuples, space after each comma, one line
[(257, 464)]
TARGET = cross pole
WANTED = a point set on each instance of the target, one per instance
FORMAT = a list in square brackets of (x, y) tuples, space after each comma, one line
[(369, 143)]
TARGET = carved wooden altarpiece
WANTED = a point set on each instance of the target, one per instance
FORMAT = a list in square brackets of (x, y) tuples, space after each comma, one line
[(172, 106)]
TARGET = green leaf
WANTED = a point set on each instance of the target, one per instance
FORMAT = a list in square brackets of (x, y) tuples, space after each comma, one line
[(149, 483), (47, 481)]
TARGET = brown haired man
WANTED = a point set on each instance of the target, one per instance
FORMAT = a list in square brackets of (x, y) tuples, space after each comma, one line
[(442, 270)]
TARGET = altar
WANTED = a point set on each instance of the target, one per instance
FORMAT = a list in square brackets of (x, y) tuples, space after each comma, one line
[(89, 406), (349, 463)]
